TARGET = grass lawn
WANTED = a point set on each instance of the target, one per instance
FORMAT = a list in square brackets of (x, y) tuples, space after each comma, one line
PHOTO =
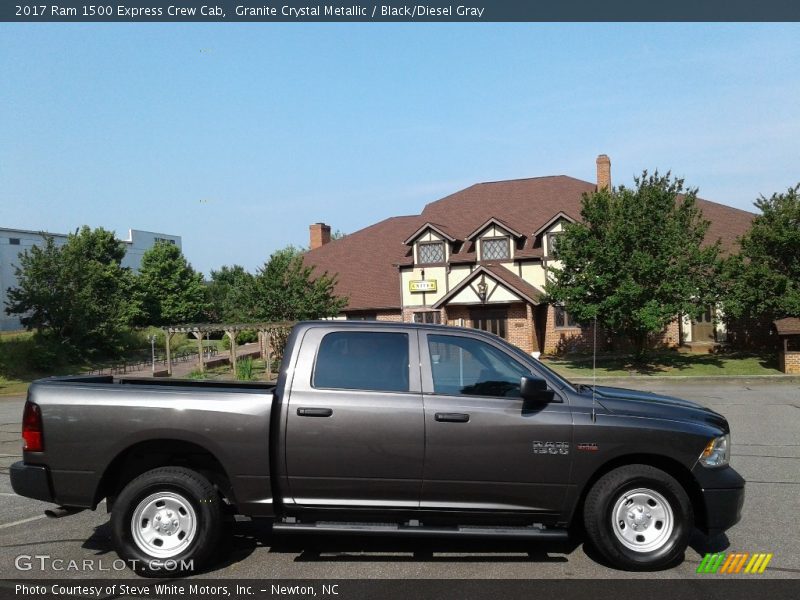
[(15, 374), (13, 387), (667, 363), (19, 364)]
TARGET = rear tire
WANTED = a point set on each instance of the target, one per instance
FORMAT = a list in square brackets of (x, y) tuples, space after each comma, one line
[(639, 518), (167, 522)]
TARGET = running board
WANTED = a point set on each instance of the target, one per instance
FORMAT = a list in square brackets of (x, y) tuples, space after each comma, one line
[(335, 527)]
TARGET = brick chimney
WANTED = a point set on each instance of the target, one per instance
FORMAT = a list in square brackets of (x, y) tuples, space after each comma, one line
[(603, 172), (319, 234)]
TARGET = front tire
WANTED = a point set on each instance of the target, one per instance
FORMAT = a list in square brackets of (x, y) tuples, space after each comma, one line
[(639, 518), (167, 522)]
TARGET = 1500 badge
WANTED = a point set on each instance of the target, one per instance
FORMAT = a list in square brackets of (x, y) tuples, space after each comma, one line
[(551, 447)]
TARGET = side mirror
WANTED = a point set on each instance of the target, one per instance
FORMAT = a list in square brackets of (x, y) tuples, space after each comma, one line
[(535, 389)]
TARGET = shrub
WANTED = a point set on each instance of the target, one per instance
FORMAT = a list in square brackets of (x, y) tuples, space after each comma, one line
[(244, 369)]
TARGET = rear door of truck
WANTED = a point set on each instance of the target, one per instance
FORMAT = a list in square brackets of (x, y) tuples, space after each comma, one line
[(355, 430)]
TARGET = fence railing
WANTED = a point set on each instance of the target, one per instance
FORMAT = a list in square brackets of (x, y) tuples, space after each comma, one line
[(133, 366)]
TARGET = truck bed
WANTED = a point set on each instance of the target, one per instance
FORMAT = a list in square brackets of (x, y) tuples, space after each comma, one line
[(96, 425)]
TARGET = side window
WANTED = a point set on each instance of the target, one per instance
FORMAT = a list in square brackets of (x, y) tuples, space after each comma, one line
[(362, 360), (552, 243), (564, 319), (470, 367)]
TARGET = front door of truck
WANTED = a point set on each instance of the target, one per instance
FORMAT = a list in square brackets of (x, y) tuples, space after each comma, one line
[(487, 449), (355, 425)]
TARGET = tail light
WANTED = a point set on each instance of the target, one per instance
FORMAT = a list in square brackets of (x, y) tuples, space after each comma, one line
[(32, 428)]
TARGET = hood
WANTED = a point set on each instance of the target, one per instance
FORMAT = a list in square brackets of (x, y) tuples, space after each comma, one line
[(648, 404)]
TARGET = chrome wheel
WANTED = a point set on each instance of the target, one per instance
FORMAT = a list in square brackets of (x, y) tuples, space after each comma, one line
[(642, 520), (163, 524)]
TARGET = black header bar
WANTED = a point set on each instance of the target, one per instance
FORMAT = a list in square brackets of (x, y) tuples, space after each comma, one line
[(702, 587), (140, 11)]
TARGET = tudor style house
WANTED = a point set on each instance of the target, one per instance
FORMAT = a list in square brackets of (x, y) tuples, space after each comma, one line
[(478, 258)]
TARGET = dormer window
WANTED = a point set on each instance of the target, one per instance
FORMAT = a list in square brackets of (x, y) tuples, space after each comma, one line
[(493, 240), (552, 243), (495, 248), (431, 253), (550, 231)]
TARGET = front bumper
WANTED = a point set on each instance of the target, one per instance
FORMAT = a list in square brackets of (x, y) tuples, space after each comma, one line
[(31, 481), (723, 497)]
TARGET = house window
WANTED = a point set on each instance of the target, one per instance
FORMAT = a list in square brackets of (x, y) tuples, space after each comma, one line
[(552, 243), (495, 249), (564, 319), (13, 241), (431, 253), (364, 316), (429, 316)]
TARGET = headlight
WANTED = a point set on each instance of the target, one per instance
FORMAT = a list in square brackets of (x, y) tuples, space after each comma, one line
[(717, 452)]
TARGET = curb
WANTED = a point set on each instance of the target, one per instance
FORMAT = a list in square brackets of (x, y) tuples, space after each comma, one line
[(790, 379)]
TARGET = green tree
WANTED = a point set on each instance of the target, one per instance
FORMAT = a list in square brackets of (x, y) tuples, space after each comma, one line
[(168, 288), (285, 289), (77, 293), (636, 260), (231, 295), (762, 281)]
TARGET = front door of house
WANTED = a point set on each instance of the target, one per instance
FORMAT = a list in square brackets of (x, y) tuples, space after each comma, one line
[(493, 320), (703, 327)]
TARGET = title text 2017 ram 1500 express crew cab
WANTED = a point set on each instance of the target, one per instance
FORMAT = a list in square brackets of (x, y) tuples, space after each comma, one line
[(382, 428)]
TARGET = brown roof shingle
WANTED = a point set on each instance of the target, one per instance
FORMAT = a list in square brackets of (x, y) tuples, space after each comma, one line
[(787, 326), (366, 260)]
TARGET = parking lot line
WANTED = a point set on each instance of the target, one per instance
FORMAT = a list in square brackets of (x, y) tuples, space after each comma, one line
[(21, 521)]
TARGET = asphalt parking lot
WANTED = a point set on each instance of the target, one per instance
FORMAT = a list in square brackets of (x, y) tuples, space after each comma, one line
[(765, 421)]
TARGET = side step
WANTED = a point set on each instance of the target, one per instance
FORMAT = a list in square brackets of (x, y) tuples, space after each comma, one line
[(335, 527)]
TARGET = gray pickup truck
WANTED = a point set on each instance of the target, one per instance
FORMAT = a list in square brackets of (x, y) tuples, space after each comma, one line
[(379, 428)]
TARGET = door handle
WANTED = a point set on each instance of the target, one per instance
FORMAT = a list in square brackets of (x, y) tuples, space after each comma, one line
[(452, 417), (314, 412)]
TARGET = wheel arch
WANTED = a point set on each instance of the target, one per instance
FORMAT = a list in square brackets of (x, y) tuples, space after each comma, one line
[(151, 454), (669, 465)]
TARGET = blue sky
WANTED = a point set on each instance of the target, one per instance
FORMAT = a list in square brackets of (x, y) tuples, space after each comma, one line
[(238, 136)]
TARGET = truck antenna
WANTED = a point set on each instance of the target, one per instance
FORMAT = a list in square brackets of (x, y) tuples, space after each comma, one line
[(594, 369)]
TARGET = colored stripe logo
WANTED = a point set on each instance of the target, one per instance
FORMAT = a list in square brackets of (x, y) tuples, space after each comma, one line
[(734, 563)]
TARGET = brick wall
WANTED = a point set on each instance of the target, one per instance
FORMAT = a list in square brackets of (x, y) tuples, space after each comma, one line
[(564, 340), (671, 337), (520, 330), (454, 314), (390, 315), (789, 362), (520, 327)]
